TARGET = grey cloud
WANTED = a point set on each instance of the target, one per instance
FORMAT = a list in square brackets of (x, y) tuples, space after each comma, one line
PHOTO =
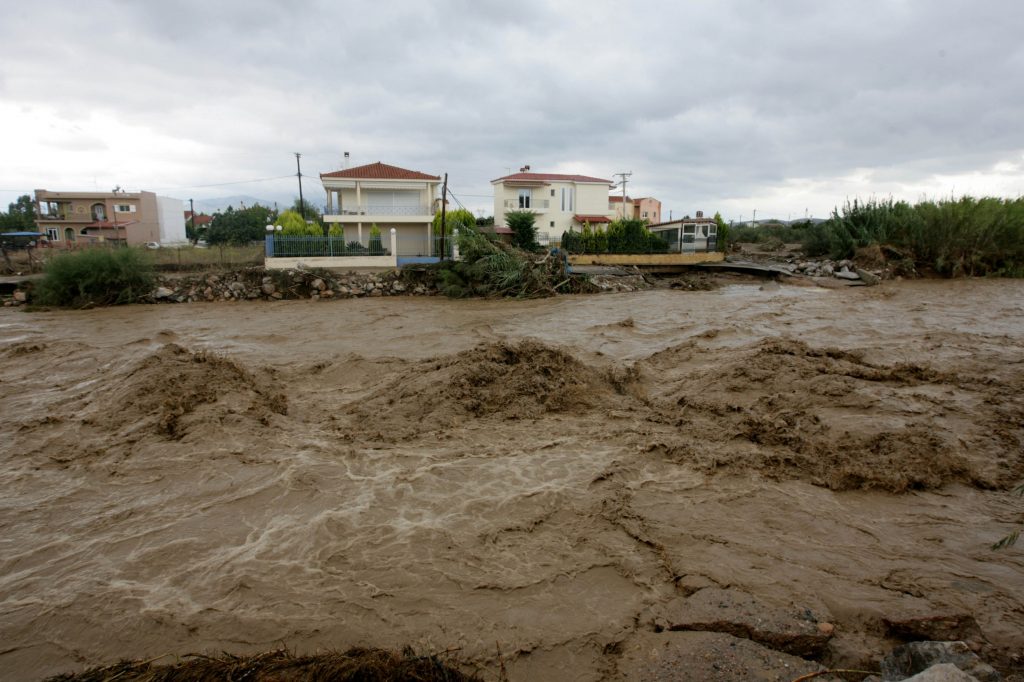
[(705, 102)]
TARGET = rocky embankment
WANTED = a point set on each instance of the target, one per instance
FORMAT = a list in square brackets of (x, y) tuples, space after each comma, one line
[(843, 269), (258, 283)]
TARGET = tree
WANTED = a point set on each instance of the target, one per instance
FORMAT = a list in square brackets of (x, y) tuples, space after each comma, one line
[(241, 226), (524, 234), (454, 220), (723, 233), (292, 224), (20, 216), (312, 212), (482, 221)]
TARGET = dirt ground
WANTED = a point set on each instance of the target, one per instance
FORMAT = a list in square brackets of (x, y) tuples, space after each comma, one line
[(525, 482)]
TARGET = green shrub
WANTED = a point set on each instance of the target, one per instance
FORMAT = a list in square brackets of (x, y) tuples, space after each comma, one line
[(951, 237), (524, 234), (376, 246), (96, 277)]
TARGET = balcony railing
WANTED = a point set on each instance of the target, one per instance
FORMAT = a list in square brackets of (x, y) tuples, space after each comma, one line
[(380, 209), (534, 205)]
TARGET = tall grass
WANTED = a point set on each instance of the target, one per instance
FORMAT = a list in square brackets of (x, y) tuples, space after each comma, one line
[(96, 277), (952, 237)]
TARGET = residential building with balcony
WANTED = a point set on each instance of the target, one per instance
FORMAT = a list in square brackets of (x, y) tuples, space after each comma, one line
[(388, 197), (132, 218), (644, 208), (561, 203)]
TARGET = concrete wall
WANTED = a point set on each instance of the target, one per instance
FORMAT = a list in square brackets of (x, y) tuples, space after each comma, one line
[(647, 258), (336, 262), (171, 220)]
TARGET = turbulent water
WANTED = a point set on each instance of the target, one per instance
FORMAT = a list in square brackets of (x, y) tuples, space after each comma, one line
[(514, 480)]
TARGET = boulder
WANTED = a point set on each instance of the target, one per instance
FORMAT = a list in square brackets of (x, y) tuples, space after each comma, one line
[(944, 672), (868, 278), (705, 656), (916, 657), (846, 274), (268, 288), (22, 297), (795, 631), (163, 292), (318, 284)]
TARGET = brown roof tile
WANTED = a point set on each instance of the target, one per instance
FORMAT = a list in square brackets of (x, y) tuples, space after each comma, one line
[(379, 171), (544, 177)]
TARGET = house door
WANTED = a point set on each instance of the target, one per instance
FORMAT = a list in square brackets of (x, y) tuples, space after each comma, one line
[(69, 235)]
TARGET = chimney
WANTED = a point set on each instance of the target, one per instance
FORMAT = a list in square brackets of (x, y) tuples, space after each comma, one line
[(344, 163)]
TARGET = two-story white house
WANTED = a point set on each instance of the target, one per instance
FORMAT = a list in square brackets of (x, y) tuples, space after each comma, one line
[(388, 197), (561, 203)]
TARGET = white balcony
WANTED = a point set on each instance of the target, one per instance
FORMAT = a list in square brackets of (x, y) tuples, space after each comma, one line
[(389, 212)]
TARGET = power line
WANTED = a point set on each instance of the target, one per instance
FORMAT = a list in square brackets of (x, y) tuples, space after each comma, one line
[(222, 184), (452, 195)]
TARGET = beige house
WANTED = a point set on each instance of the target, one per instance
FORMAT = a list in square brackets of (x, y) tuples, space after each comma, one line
[(133, 218), (388, 197), (644, 208), (561, 203)]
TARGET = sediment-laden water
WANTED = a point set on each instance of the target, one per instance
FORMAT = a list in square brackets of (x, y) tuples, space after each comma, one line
[(529, 477)]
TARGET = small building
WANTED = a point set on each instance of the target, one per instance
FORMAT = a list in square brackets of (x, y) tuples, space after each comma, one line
[(644, 208), (132, 218), (388, 197), (561, 202), (688, 234)]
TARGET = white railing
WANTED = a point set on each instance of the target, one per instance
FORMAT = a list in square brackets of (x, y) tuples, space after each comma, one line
[(380, 209), (536, 205)]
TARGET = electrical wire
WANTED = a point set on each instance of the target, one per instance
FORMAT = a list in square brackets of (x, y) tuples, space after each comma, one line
[(224, 184)]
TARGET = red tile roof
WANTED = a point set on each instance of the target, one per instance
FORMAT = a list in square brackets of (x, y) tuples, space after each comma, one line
[(201, 218), (549, 177), (379, 171), (591, 219), (618, 199)]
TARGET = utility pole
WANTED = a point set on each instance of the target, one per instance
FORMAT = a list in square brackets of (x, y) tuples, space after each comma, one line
[(755, 217), (444, 203), (624, 177), (192, 212), (298, 167)]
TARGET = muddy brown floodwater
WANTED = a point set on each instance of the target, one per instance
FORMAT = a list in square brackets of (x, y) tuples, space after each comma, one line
[(531, 476)]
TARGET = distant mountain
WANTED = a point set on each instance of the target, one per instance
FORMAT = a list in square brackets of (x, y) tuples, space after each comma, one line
[(236, 201)]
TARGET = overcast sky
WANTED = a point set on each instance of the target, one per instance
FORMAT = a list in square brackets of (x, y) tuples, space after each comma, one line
[(782, 106)]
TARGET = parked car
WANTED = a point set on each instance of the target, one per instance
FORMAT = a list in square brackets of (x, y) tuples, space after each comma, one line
[(152, 245)]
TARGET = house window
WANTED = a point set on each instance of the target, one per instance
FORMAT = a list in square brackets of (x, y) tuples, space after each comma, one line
[(552, 222), (524, 198), (552, 192), (124, 208), (645, 214), (568, 194), (52, 234), (689, 233)]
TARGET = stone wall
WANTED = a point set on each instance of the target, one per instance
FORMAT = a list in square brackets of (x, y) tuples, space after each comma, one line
[(258, 283)]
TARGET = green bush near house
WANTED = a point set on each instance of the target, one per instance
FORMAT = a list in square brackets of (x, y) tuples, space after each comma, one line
[(524, 233), (96, 277)]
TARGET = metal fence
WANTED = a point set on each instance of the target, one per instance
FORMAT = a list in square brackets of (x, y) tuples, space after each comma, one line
[(307, 246)]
